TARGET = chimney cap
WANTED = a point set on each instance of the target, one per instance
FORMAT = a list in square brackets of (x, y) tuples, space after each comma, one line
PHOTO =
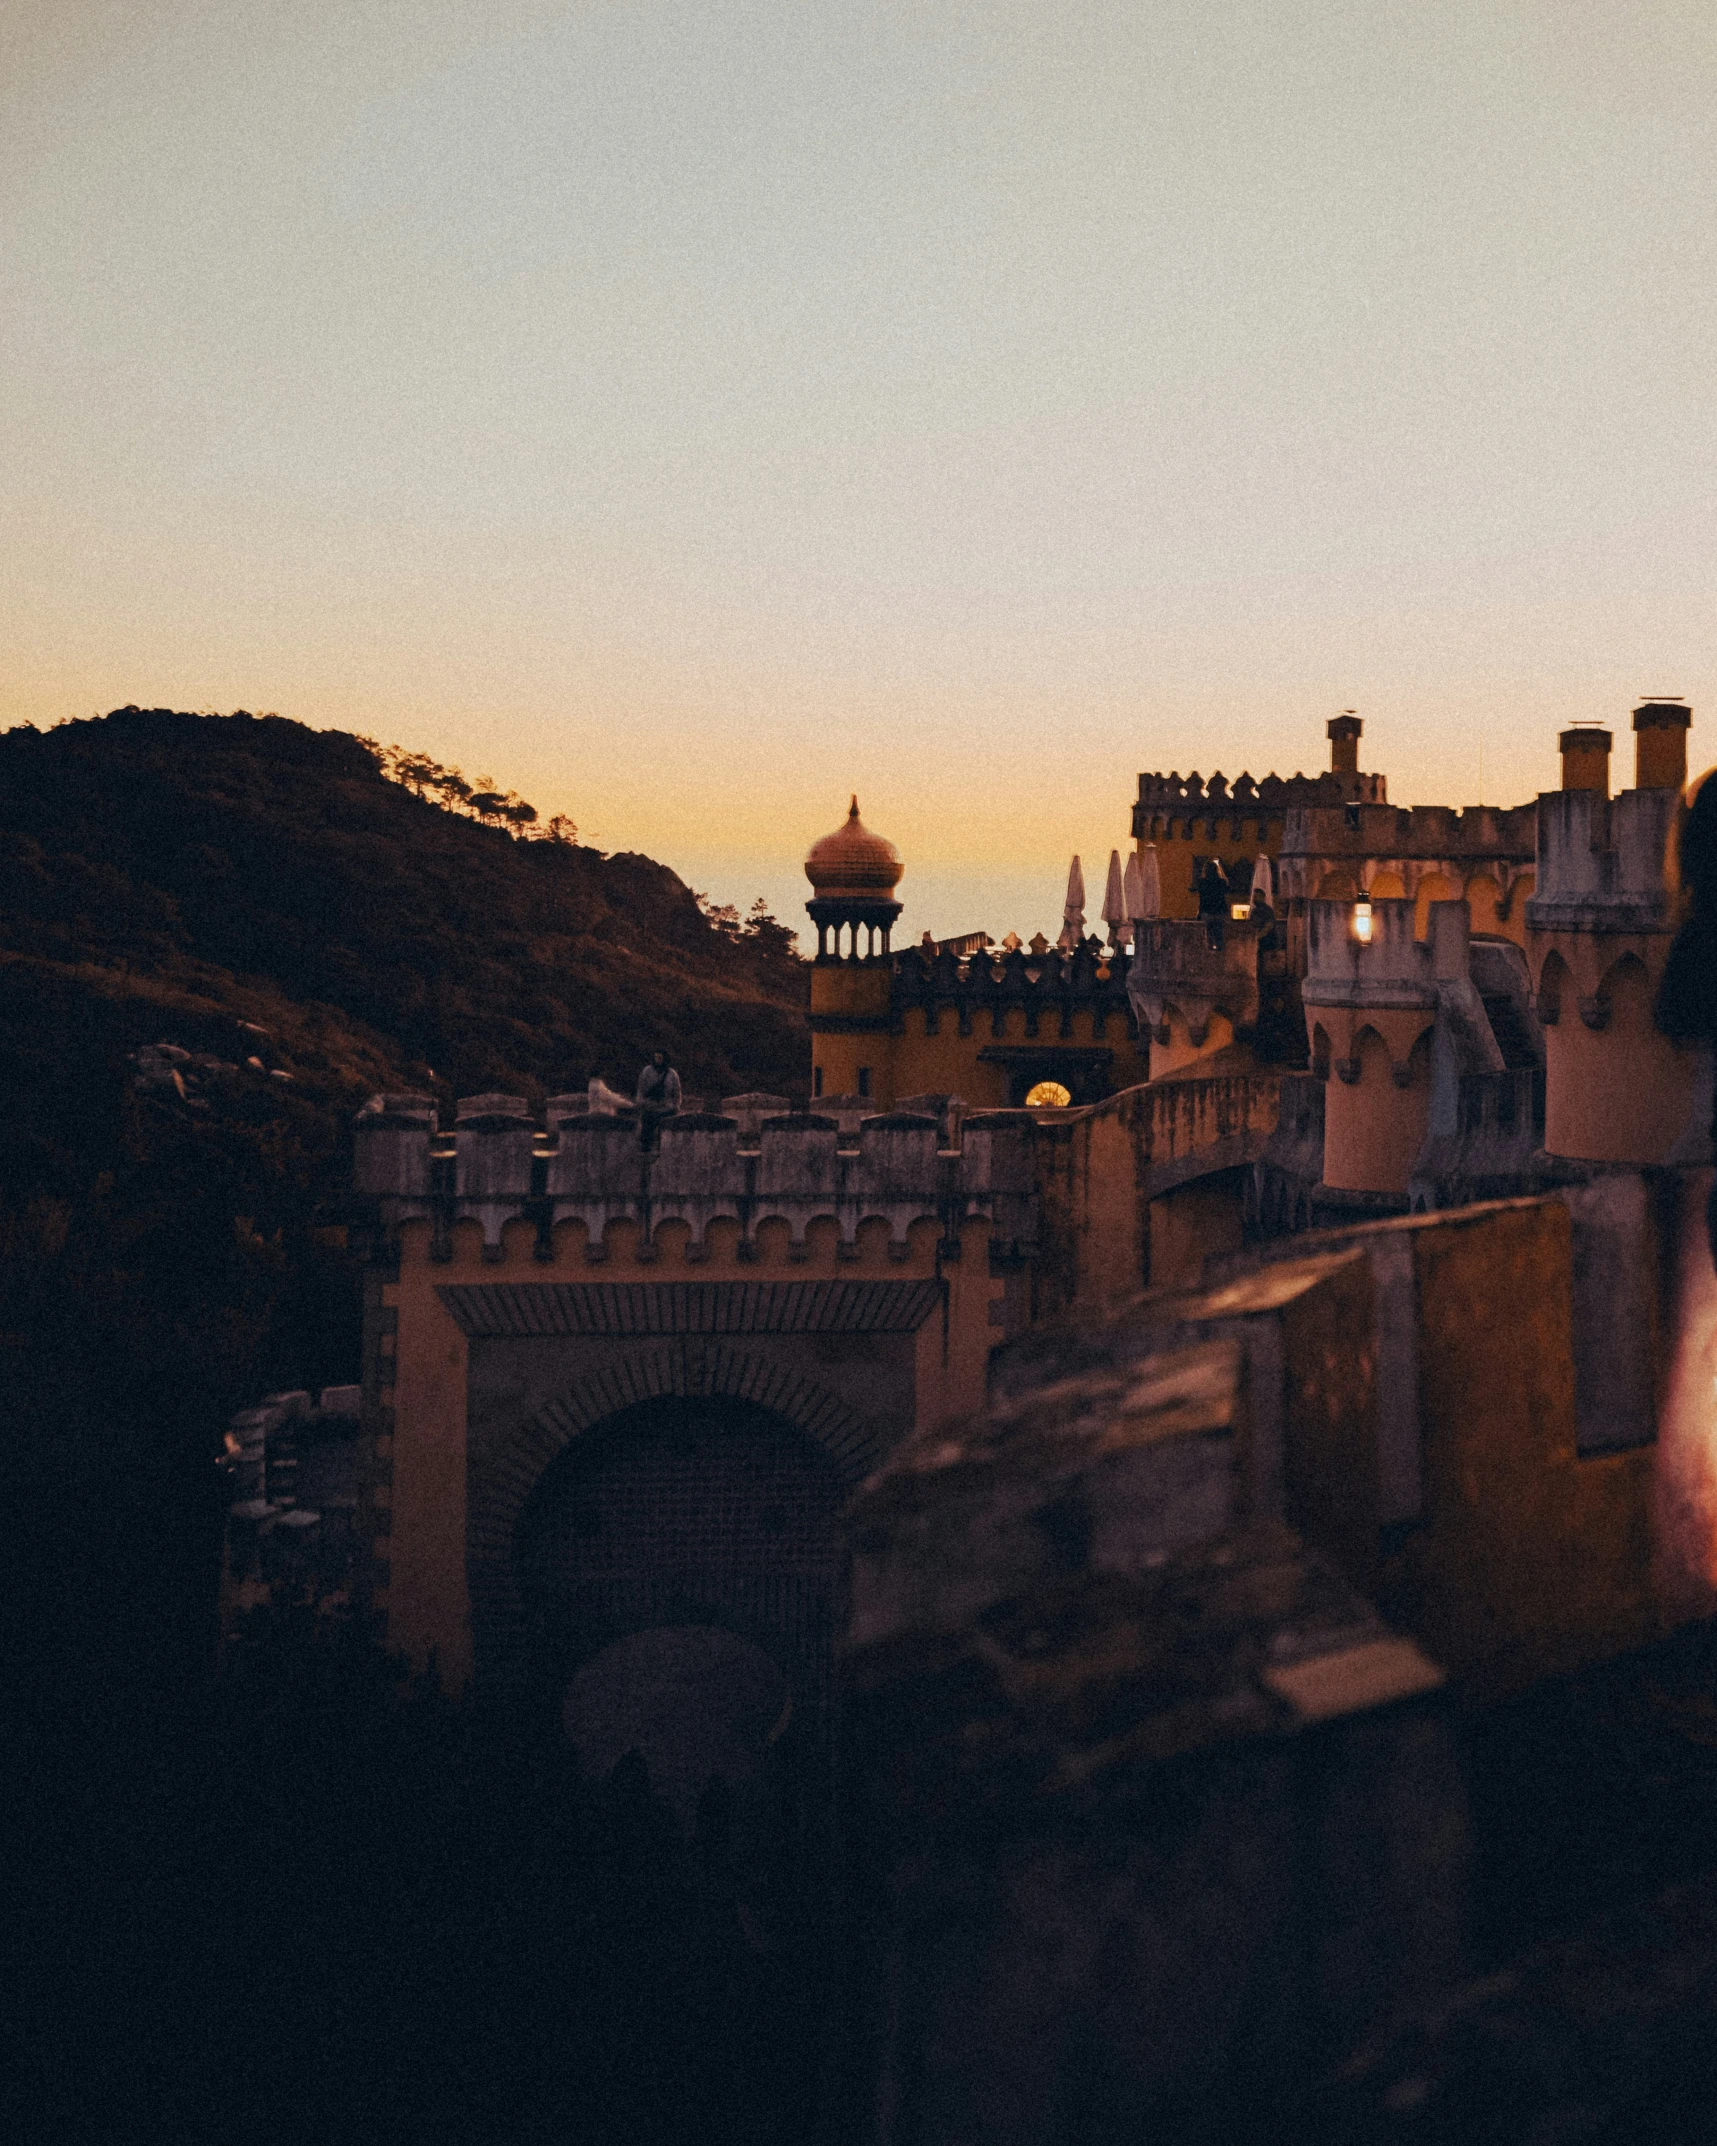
[(1663, 711), (1345, 725)]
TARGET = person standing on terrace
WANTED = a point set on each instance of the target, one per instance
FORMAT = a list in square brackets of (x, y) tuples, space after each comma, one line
[(658, 1095)]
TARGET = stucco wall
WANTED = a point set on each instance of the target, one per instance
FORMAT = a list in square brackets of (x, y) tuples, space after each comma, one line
[(464, 1412)]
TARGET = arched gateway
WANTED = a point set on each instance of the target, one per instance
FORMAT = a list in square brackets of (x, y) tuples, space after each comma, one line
[(679, 1573), (685, 1480), (571, 1335)]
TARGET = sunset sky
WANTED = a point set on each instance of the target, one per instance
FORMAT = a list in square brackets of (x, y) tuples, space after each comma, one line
[(690, 413)]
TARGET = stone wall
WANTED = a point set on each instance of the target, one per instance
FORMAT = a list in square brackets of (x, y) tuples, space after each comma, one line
[(1158, 1817)]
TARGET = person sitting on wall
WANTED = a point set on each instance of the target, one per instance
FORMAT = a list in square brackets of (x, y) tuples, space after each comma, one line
[(658, 1095), (1214, 896)]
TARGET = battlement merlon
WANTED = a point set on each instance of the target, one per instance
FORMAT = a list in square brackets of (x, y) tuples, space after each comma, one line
[(1041, 978), (797, 1167), (1190, 797)]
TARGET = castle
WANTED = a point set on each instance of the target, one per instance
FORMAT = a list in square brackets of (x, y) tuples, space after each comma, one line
[(1417, 961), (1436, 1008), (1335, 1263)]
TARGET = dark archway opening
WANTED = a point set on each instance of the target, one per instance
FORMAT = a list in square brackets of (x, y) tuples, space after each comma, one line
[(680, 1569)]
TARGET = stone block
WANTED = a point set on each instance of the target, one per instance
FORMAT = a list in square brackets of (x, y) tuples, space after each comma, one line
[(597, 1158), (797, 1158), (391, 1139), (749, 1111), (474, 1108), (1154, 1820), (1308, 1332), (697, 1157), (897, 1156), (1110, 1468), (494, 1151)]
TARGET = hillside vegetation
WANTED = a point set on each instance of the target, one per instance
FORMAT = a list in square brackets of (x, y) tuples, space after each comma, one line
[(248, 866), (264, 898)]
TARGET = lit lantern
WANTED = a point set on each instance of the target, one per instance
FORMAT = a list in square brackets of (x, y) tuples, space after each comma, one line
[(1362, 921)]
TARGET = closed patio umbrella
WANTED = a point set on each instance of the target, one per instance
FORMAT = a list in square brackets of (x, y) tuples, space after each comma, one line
[(1073, 910), (1114, 903), (1150, 886)]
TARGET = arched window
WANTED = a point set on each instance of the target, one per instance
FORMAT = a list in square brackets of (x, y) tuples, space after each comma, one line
[(1048, 1095)]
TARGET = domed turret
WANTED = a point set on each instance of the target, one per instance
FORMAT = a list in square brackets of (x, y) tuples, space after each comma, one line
[(853, 875), (853, 864)]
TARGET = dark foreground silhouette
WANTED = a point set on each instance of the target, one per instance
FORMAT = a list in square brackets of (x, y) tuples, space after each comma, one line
[(328, 1907)]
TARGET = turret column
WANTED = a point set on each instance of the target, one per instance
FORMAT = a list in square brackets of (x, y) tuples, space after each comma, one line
[(853, 875), (1599, 928)]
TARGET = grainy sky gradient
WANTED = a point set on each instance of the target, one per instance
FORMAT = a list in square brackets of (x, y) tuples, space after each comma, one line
[(686, 413)]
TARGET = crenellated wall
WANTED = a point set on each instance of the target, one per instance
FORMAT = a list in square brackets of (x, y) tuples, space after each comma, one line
[(986, 1025), (502, 1174), (1187, 818), (1423, 855), (537, 1282)]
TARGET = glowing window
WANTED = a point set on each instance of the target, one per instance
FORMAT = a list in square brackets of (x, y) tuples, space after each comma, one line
[(1048, 1095)]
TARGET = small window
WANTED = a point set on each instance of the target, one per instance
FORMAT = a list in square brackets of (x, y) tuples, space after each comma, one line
[(816, 1080), (1048, 1095), (864, 1080)]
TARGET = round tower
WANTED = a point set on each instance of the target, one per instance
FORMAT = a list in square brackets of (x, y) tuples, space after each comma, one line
[(1371, 997), (1600, 925), (853, 875)]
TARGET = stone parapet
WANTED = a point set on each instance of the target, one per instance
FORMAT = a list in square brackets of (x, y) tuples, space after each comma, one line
[(1043, 979), (1423, 834), (1175, 963), (1389, 968), (1603, 863), (596, 1169), (1097, 1707)]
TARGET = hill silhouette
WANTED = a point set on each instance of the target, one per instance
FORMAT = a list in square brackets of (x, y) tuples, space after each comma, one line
[(251, 866), (302, 931)]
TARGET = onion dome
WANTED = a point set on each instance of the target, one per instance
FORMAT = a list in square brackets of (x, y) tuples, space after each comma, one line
[(853, 865)]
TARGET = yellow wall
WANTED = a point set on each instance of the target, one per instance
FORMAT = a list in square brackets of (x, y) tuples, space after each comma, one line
[(1194, 1223), (1231, 842), (425, 1601), (1528, 1559), (1484, 902), (1180, 1051), (915, 1062)]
